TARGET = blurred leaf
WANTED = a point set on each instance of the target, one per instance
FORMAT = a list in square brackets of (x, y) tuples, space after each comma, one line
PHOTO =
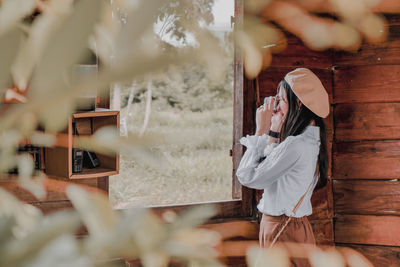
[(154, 259), (374, 28), (194, 216), (265, 37), (212, 55), (346, 37), (261, 33), (120, 243), (275, 256), (252, 57), (6, 225), (354, 258), (8, 160), (51, 228), (25, 166), (317, 36), (63, 251), (94, 209), (329, 258), (32, 48), (28, 123), (107, 140), (149, 233), (255, 6), (64, 48), (140, 20), (13, 11), (9, 138), (55, 116), (25, 180), (193, 243), (8, 146), (42, 139), (350, 10), (9, 44), (26, 217), (179, 248)]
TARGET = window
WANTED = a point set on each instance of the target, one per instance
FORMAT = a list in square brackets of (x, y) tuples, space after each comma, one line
[(202, 117)]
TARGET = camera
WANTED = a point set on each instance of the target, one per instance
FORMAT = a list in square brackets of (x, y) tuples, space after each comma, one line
[(275, 102)]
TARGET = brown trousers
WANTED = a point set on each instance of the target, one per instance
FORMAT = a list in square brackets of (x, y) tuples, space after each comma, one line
[(298, 230)]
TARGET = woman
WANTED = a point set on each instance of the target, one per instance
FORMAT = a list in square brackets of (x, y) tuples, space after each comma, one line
[(287, 158)]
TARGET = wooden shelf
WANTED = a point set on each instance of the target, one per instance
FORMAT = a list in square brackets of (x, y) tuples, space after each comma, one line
[(94, 173), (58, 159)]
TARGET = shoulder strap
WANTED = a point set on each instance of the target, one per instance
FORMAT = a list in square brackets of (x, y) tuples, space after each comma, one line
[(294, 213)]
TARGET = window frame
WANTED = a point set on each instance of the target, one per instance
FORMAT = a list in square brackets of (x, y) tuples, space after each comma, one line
[(242, 205)]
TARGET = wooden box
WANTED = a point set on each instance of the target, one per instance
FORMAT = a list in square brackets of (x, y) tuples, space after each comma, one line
[(58, 159)]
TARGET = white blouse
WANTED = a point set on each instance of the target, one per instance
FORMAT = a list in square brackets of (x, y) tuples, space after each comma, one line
[(285, 173)]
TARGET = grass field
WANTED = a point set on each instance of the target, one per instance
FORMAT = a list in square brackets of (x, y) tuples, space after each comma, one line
[(199, 167)]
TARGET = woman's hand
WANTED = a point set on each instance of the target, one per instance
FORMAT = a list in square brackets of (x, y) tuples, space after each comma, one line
[(277, 121), (263, 117)]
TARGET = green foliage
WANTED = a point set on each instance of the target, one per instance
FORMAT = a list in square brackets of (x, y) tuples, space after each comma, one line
[(179, 17), (187, 87)]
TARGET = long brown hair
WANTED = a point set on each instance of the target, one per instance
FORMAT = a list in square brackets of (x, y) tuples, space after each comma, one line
[(297, 119)]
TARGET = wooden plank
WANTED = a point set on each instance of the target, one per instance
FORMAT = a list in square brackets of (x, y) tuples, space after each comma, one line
[(296, 54), (383, 53), (55, 189), (367, 160), (83, 126), (53, 206), (368, 229), (232, 229), (323, 231), (247, 126), (240, 98), (96, 113), (56, 161), (367, 197), (330, 159), (102, 183), (99, 120), (367, 84), (378, 255), (226, 210), (372, 121), (321, 201), (93, 173), (235, 248), (249, 231), (235, 261)]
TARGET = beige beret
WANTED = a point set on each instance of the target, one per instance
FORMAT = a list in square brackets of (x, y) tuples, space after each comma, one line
[(309, 89)]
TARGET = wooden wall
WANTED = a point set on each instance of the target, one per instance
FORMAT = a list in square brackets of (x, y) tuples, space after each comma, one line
[(56, 197), (360, 207), (366, 150), (297, 55)]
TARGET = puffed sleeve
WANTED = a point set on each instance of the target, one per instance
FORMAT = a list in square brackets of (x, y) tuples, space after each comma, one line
[(279, 160)]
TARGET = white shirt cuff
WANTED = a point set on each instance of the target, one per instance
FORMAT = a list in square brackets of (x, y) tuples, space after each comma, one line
[(255, 142)]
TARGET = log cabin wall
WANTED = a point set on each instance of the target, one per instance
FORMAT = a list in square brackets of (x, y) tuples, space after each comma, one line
[(298, 55), (366, 150)]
